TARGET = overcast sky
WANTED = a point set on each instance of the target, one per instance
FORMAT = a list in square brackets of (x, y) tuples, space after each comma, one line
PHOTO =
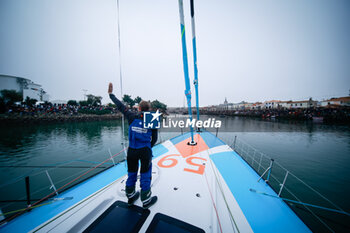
[(247, 50)]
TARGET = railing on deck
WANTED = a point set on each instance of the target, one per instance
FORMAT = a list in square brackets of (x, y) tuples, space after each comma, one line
[(49, 180), (316, 210), (46, 179)]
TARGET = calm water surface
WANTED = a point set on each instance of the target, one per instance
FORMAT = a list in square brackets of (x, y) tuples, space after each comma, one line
[(318, 154)]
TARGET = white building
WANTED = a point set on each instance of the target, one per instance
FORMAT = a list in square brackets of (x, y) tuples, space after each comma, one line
[(257, 106), (341, 101), (271, 104), (285, 104), (303, 104), (248, 106), (24, 86)]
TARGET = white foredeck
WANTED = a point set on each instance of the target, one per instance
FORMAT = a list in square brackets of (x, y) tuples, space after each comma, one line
[(203, 200)]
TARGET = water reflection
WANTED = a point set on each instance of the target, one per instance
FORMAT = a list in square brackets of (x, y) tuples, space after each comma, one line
[(26, 140)]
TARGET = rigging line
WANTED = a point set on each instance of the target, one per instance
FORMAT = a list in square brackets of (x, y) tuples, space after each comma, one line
[(206, 179), (222, 193), (231, 216), (47, 196), (45, 187), (195, 81), (57, 165), (224, 196), (319, 219), (28, 208), (310, 211), (314, 190), (300, 203), (86, 200), (121, 78), (213, 202), (303, 182)]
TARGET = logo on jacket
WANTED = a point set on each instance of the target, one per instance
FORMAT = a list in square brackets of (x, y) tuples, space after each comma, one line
[(151, 120)]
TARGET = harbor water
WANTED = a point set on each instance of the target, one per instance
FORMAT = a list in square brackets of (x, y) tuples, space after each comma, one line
[(319, 154)]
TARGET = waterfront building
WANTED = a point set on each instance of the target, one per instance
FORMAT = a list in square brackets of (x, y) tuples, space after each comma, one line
[(257, 106), (26, 87), (285, 104), (303, 104), (336, 102), (271, 104), (248, 106)]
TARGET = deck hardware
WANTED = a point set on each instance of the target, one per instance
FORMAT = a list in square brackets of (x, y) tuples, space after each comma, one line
[(110, 154), (217, 131), (260, 161), (282, 185), (198, 195), (290, 201), (253, 157), (268, 175), (52, 184), (234, 142), (28, 191), (267, 170), (192, 143), (2, 216), (263, 173)]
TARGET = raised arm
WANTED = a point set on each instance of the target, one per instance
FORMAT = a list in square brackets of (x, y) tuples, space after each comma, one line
[(130, 116)]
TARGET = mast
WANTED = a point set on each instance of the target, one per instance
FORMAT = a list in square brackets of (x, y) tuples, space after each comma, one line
[(195, 81), (185, 63)]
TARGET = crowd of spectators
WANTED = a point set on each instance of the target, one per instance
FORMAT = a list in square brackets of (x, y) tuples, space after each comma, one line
[(45, 109), (316, 114)]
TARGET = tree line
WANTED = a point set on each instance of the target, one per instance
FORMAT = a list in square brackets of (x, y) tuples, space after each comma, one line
[(155, 104), (9, 98)]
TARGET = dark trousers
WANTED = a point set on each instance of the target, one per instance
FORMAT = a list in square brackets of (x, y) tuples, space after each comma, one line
[(134, 156)]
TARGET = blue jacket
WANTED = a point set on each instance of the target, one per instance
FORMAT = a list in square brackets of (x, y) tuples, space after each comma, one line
[(139, 137)]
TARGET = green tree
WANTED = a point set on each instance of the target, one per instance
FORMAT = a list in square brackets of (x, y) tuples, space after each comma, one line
[(137, 100), (83, 103), (127, 99), (72, 102), (156, 104), (30, 102), (93, 100), (98, 100), (111, 105), (11, 96)]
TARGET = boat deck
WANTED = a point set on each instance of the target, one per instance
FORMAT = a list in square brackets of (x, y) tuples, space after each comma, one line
[(205, 186)]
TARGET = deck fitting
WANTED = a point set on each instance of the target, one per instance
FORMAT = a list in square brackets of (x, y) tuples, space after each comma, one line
[(192, 143)]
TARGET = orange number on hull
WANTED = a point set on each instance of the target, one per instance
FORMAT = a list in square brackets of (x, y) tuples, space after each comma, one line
[(165, 158), (201, 167)]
